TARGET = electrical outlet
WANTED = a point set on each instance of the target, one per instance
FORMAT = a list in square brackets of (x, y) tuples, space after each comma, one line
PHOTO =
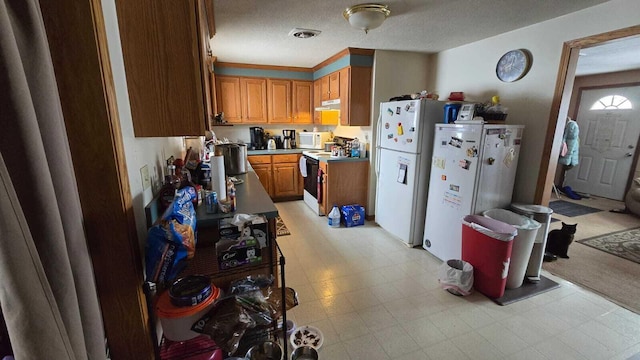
[(146, 179)]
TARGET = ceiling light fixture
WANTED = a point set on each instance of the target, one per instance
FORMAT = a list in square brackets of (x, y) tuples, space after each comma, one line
[(366, 16), (304, 33)]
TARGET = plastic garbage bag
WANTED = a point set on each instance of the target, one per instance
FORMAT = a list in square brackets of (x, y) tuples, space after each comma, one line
[(456, 276)]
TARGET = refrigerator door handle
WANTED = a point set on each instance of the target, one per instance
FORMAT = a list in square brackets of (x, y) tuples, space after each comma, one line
[(379, 129)]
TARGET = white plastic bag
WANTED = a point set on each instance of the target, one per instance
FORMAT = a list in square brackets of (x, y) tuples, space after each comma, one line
[(456, 276)]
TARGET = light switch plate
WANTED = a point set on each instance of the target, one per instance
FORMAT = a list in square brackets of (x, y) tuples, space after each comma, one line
[(146, 179)]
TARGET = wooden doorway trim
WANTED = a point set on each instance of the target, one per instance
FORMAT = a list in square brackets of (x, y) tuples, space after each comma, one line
[(560, 104), (78, 44)]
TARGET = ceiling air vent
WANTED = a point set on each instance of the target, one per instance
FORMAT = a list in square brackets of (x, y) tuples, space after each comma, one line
[(304, 33)]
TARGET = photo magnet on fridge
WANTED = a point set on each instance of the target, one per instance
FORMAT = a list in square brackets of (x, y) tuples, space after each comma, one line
[(455, 188), (390, 112), (472, 151), (389, 136), (402, 174), (455, 142), (386, 126), (465, 164), (398, 109)]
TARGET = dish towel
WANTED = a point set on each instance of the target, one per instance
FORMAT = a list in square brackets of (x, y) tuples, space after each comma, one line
[(303, 166)]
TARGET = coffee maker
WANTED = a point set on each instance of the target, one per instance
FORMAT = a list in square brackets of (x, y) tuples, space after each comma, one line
[(258, 141), (291, 135)]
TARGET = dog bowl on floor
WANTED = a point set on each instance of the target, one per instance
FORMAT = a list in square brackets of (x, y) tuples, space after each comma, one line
[(307, 335), (304, 353), (268, 350)]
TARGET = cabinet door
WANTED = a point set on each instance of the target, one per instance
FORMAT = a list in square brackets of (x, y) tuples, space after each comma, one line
[(254, 100), (317, 101), (334, 85), (285, 179), (302, 102), (228, 98), (324, 86), (325, 197), (279, 100), (166, 88), (344, 99), (206, 63), (263, 171), (355, 99)]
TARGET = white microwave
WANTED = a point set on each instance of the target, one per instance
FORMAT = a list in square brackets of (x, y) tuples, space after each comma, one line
[(313, 140)]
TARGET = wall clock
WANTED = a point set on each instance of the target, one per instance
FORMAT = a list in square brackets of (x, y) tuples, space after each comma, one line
[(514, 65)]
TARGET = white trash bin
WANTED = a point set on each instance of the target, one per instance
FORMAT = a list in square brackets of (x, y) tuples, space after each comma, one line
[(522, 243), (541, 214)]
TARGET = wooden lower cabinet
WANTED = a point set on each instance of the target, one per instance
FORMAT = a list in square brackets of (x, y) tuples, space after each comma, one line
[(279, 175), (344, 183)]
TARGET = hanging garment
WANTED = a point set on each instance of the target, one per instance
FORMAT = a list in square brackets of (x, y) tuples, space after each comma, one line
[(572, 140)]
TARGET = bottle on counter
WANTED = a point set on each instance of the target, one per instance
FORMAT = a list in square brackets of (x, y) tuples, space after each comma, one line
[(334, 217)]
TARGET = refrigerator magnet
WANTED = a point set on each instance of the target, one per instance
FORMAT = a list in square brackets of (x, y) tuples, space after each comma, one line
[(443, 177), (410, 107), (402, 174), (472, 151), (412, 129), (465, 164), (509, 157), (398, 109), (389, 136), (386, 126), (400, 130), (409, 140), (389, 111), (455, 142), (455, 188), (439, 162)]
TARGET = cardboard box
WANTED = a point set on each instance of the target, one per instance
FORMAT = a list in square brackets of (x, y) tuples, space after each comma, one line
[(352, 215), (233, 253), (259, 230)]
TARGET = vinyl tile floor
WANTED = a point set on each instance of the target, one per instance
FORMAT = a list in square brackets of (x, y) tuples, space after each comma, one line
[(375, 298)]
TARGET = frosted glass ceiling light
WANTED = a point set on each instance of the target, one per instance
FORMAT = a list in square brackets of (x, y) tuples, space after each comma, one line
[(366, 16)]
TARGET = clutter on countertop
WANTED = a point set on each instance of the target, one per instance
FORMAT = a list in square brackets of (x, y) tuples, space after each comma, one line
[(424, 94)]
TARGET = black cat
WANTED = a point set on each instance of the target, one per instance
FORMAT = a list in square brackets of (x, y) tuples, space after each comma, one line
[(558, 242)]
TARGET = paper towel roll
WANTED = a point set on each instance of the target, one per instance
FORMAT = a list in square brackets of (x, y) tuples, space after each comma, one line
[(218, 178)]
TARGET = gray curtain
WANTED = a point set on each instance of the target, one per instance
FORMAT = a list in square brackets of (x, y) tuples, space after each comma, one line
[(47, 288)]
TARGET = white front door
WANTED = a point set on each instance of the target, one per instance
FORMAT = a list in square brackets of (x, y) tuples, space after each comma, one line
[(608, 140)]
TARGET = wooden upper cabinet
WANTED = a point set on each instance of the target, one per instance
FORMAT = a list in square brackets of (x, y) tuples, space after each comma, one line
[(355, 96), (167, 89), (254, 100), (317, 101), (330, 86), (302, 102), (210, 17), (279, 101), (228, 98)]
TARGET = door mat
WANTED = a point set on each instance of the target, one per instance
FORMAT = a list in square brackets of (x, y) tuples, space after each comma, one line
[(281, 228), (624, 244), (570, 209), (527, 290)]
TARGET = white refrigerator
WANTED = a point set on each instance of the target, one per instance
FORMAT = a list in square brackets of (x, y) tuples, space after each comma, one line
[(403, 150), (473, 169)]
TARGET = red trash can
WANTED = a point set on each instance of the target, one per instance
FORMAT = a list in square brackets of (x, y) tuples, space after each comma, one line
[(487, 244)]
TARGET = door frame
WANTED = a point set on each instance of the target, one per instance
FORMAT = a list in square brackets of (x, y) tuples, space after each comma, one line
[(560, 105)]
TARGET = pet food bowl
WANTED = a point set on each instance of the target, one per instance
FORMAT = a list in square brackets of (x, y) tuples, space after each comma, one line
[(304, 353), (268, 350)]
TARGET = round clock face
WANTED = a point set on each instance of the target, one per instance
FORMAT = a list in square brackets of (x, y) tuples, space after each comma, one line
[(513, 65)]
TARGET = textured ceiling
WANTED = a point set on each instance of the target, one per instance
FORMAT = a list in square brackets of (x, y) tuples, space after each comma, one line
[(617, 55), (256, 31)]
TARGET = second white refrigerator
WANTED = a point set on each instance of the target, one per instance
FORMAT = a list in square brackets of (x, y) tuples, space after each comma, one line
[(473, 169)]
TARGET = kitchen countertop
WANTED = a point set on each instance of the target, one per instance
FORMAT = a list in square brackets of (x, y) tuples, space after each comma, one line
[(251, 198), (275, 152)]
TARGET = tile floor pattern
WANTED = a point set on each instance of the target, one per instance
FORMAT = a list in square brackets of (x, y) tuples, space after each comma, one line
[(374, 298)]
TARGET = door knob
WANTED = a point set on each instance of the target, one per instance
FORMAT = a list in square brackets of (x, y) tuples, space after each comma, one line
[(628, 154)]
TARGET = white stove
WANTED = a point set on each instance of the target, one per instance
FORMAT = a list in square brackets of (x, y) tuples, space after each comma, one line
[(315, 154)]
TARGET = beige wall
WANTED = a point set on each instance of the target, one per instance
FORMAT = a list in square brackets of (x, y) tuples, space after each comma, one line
[(471, 68), (139, 151), (395, 73)]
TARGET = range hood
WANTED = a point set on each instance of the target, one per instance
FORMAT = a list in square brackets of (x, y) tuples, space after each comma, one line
[(329, 105)]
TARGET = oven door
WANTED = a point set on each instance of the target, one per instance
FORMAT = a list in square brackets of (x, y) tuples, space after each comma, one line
[(311, 181)]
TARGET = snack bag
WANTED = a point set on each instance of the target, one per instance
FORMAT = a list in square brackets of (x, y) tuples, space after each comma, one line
[(172, 240)]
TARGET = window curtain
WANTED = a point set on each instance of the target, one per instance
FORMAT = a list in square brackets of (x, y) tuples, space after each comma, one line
[(47, 288)]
